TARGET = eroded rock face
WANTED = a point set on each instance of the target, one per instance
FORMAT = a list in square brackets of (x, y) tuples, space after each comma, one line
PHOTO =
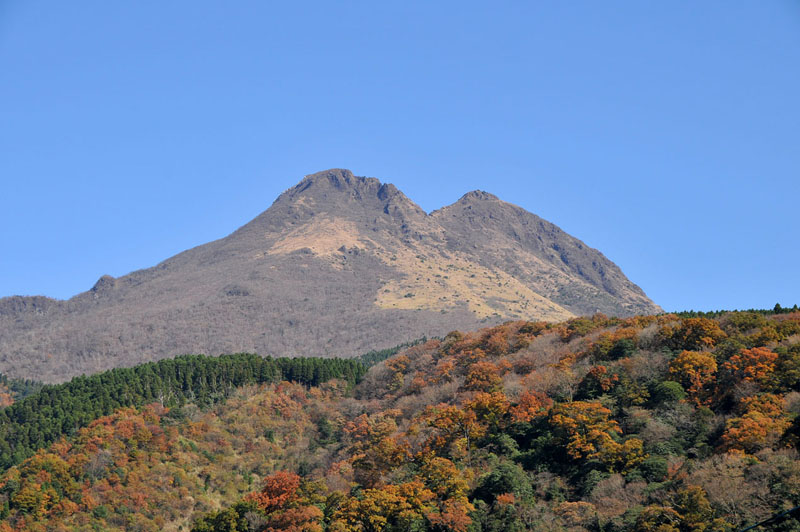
[(337, 265)]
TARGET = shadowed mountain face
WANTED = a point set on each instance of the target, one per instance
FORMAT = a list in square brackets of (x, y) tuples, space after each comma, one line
[(336, 266)]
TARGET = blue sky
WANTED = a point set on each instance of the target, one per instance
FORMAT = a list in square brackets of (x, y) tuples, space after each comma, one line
[(667, 134)]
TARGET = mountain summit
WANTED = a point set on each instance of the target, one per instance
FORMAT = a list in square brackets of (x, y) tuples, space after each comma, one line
[(337, 265)]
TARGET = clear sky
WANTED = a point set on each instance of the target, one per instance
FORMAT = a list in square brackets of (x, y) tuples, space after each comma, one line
[(665, 134)]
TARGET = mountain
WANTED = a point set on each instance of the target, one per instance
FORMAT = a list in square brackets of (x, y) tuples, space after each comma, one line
[(337, 265)]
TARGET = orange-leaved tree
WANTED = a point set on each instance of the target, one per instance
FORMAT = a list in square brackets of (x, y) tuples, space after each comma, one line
[(398, 365), (455, 430), (483, 376), (752, 365), (374, 447), (531, 405), (692, 334), (490, 408), (390, 507), (443, 371), (450, 485), (695, 371), (285, 507), (279, 489), (586, 431), (584, 427), (761, 424)]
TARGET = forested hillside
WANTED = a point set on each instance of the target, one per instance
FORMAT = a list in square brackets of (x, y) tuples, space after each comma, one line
[(12, 390), (656, 423), (153, 468), (58, 410)]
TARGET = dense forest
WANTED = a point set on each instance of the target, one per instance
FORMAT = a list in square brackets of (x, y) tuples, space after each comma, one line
[(655, 423), (57, 410), (777, 309), (375, 356), (12, 390)]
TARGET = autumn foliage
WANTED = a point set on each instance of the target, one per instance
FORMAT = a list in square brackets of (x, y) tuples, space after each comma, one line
[(660, 423), (752, 365), (696, 371), (279, 489)]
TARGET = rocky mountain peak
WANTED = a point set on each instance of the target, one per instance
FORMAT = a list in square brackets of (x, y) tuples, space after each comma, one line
[(477, 195), (105, 282), (337, 178), (336, 262), (338, 190), (476, 200), (338, 183)]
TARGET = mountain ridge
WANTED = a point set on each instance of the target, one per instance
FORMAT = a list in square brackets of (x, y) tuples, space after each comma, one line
[(335, 261)]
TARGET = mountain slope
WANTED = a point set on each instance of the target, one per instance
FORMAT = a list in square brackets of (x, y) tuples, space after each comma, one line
[(338, 264), (538, 253), (593, 424)]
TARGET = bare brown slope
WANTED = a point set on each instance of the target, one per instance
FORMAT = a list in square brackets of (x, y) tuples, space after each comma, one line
[(336, 266), (545, 258)]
